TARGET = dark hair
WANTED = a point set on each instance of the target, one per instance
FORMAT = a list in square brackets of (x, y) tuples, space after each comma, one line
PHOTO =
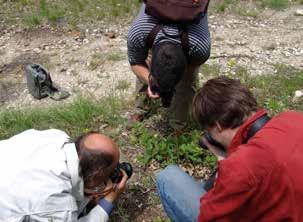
[(92, 164), (167, 68), (223, 100)]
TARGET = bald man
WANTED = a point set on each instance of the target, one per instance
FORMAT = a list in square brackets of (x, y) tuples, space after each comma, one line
[(47, 177)]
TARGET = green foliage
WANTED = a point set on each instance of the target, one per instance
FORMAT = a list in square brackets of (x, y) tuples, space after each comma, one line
[(273, 91), (275, 4), (221, 6), (170, 149), (35, 12), (82, 115), (99, 59), (158, 219)]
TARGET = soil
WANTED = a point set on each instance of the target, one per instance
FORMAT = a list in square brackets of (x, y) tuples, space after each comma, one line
[(254, 43)]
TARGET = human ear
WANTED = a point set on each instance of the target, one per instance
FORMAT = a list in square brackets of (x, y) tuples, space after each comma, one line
[(219, 127)]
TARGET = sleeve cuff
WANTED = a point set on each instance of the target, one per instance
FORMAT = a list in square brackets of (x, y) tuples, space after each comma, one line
[(106, 205)]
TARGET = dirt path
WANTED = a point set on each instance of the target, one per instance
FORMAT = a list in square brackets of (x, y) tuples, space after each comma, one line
[(94, 61)]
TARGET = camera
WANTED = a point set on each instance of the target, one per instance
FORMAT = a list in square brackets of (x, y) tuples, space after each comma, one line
[(211, 141), (117, 175)]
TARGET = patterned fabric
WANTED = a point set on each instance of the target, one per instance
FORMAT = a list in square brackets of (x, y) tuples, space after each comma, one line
[(198, 34)]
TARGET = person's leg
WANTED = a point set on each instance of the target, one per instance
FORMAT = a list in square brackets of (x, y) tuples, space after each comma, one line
[(179, 111), (180, 194)]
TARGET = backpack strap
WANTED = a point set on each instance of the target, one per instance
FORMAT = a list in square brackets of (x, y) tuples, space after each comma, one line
[(257, 125), (183, 36), (152, 35), (184, 40)]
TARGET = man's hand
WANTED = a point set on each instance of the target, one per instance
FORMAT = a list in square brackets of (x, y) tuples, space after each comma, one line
[(116, 189), (151, 94), (220, 154)]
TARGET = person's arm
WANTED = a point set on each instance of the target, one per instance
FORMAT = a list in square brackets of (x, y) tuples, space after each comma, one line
[(142, 72), (105, 206)]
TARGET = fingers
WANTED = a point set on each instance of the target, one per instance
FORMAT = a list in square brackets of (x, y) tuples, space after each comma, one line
[(151, 94), (122, 184)]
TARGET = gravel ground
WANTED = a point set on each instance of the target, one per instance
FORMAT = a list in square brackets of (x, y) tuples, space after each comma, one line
[(94, 61)]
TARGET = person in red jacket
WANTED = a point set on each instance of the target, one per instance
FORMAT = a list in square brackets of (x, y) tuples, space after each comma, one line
[(258, 176)]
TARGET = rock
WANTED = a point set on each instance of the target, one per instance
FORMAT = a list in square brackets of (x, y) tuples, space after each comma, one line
[(298, 96), (37, 50), (110, 35), (85, 41), (63, 70), (271, 46), (299, 12)]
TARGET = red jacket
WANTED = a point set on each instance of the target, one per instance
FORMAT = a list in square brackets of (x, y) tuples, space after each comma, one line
[(263, 179)]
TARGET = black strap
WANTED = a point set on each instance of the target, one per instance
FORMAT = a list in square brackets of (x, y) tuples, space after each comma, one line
[(184, 40), (183, 36), (152, 35), (256, 126)]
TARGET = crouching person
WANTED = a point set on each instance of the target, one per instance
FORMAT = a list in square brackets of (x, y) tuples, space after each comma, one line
[(47, 177), (260, 159)]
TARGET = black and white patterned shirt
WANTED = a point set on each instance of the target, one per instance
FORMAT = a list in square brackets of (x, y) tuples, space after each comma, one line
[(198, 34)]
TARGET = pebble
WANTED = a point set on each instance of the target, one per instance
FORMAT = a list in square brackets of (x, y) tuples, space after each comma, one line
[(298, 95), (299, 12), (37, 50)]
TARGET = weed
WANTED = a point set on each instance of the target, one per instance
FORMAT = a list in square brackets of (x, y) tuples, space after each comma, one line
[(221, 6), (275, 4), (72, 11), (159, 219), (273, 91), (99, 59), (123, 85), (83, 114), (244, 11), (170, 149), (32, 20)]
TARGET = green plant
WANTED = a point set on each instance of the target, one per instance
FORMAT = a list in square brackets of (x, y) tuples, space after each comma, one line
[(159, 219), (275, 4), (170, 149), (83, 114), (123, 85), (222, 5), (35, 12)]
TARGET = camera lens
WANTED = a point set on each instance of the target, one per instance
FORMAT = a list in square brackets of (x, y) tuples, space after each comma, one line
[(211, 141), (117, 175)]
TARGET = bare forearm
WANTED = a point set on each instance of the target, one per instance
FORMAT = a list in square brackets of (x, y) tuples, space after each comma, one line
[(141, 71)]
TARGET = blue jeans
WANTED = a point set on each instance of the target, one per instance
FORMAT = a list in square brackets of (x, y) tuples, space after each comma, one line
[(180, 194)]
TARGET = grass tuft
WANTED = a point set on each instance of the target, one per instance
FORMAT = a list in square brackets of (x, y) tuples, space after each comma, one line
[(82, 115), (275, 4)]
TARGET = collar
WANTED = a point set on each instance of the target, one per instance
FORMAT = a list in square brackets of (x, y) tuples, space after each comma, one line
[(242, 131), (72, 162)]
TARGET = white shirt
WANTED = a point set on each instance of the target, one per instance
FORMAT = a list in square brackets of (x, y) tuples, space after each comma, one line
[(40, 179)]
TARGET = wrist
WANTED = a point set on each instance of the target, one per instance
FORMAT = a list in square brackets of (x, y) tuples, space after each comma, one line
[(111, 197)]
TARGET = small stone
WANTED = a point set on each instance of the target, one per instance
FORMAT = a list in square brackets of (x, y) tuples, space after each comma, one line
[(110, 35), (85, 41), (298, 95), (37, 50), (63, 70), (271, 46), (299, 12)]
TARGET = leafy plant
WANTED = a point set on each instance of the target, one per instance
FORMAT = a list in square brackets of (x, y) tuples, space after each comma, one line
[(170, 149)]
